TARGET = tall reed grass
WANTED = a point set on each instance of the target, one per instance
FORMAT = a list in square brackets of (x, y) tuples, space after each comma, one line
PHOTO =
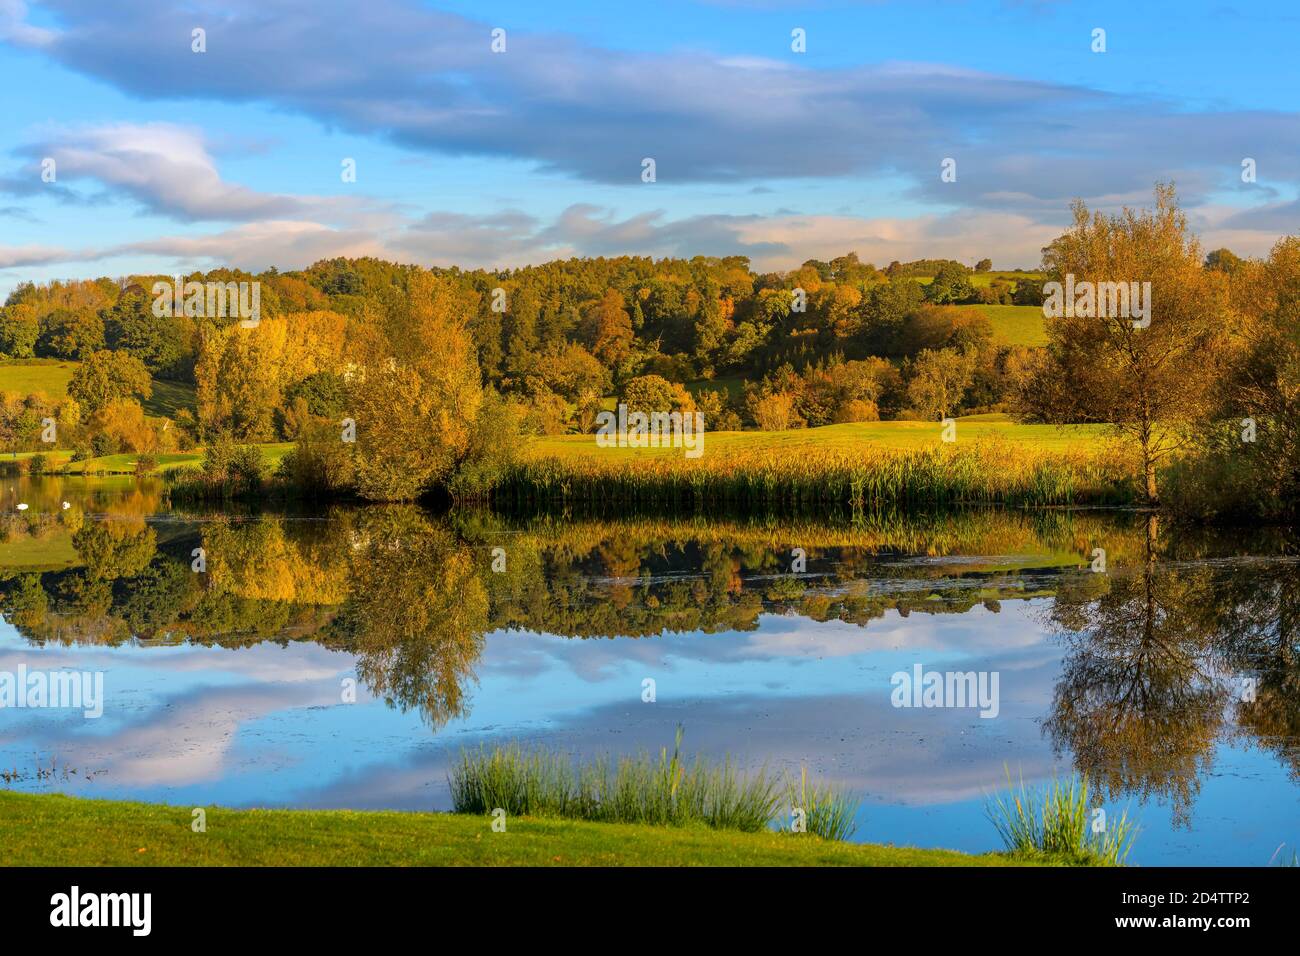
[(985, 472), (1057, 821), (659, 791), (827, 812)]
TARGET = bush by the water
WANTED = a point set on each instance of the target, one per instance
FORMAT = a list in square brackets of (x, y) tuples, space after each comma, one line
[(228, 471)]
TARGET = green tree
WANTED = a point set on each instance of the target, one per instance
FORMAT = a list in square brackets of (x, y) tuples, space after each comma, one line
[(106, 377), (19, 330), (653, 393), (950, 285), (938, 378), (1224, 260), (70, 334), (163, 344)]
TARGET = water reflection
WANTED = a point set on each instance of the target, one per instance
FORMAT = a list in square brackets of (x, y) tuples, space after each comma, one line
[(1186, 644)]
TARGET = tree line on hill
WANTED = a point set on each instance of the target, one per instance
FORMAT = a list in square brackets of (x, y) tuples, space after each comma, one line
[(439, 368), (555, 340)]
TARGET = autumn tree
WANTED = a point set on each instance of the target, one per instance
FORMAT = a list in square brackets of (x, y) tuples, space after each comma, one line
[(70, 334), (938, 380), (608, 328), (243, 374), (1147, 375), (951, 284), (415, 390), (1247, 460), (652, 393)]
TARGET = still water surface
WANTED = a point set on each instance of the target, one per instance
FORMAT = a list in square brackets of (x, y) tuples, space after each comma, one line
[(1172, 678)]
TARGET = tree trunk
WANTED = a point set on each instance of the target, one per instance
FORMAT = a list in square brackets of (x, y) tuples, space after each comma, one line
[(1149, 468), (1149, 472)]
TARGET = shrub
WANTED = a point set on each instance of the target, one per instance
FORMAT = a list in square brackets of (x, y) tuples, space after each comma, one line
[(320, 464), (773, 412), (101, 445), (857, 410)]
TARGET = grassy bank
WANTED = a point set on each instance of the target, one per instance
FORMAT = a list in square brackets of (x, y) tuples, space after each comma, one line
[(52, 830), (60, 461)]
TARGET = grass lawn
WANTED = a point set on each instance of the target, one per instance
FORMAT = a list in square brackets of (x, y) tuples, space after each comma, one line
[(846, 438), (53, 830), (981, 279), (50, 376), (168, 398), (28, 376), (124, 464), (1014, 324)]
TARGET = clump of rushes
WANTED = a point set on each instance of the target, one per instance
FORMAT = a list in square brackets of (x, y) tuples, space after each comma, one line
[(828, 813), (1056, 821), (985, 473), (660, 791)]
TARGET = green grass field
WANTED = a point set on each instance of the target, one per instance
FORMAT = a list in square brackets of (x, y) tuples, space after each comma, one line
[(1015, 324), (36, 376), (124, 464), (51, 377), (856, 437), (168, 398), (53, 830)]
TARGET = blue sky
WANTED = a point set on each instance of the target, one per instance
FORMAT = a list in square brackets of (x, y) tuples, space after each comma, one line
[(166, 158)]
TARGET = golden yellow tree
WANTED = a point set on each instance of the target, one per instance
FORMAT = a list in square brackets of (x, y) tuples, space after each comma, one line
[(1146, 369), (415, 390)]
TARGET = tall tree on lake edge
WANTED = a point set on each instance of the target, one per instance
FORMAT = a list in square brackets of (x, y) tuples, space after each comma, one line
[(1150, 380), (415, 390)]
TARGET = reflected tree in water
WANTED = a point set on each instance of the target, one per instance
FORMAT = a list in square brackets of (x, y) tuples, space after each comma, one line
[(1255, 611), (416, 612), (1141, 696)]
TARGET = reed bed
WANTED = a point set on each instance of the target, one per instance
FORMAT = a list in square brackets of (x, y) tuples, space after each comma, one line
[(644, 789), (983, 472), (1057, 821)]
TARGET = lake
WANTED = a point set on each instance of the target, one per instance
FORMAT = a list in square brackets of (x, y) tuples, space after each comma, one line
[(343, 656)]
